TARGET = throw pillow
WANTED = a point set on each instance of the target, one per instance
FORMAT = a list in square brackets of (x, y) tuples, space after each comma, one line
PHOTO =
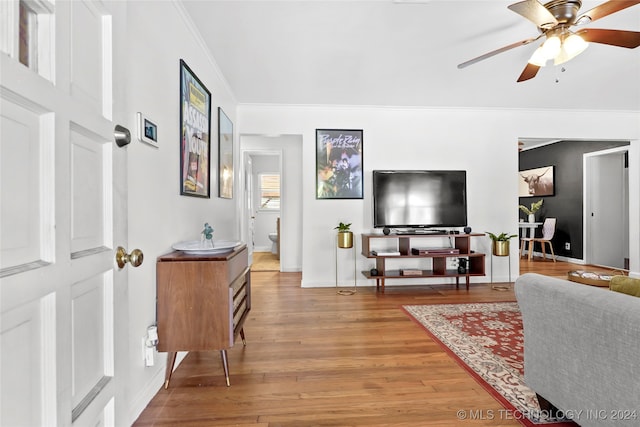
[(625, 285)]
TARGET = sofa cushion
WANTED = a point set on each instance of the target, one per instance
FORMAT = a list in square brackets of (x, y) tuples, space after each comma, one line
[(625, 285)]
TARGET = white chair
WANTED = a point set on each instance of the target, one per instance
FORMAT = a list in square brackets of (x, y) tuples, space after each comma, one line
[(548, 230)]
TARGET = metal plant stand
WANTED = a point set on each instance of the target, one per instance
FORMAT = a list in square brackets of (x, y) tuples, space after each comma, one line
[(347, 291), (501, 287)]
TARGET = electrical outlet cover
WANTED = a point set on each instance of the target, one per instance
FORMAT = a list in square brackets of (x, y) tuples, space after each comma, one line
[(148, 356)]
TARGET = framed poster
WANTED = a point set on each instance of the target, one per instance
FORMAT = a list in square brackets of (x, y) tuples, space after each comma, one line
[(338, 164), (536, 182), (225, 156), (195, 143)]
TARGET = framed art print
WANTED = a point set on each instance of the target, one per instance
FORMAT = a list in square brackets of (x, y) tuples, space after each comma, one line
[(536, 182), (195, 143), (225, 156), (339, 164)]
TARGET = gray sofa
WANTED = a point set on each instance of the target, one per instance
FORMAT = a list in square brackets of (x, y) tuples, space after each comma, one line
[(581, 349)]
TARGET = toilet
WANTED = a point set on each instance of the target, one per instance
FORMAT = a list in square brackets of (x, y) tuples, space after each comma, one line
[(274, 245)]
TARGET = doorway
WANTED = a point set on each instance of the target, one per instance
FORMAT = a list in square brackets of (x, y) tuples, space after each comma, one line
[(606, 208), (288, 149), (577, 180), (264, 204)]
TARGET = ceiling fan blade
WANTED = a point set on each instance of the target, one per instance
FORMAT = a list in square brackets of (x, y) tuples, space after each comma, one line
[(605, 9), (497, 51), (529, 72), (621, 38), (535, 12)]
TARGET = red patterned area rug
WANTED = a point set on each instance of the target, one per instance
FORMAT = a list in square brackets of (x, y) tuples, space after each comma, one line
[(486, 339)]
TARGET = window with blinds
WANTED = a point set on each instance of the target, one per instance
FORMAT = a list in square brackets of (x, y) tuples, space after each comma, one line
[(269, 191)]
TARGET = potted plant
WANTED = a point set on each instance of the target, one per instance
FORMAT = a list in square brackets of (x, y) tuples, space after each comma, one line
[(345, 236), (535, 206), (500, 243)]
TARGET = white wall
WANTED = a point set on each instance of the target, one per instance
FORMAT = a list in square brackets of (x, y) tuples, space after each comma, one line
[(483, 142), (159, 36)]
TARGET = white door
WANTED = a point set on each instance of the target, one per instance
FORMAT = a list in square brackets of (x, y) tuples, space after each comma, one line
[(63, 300), (607, 208), (249, 214)]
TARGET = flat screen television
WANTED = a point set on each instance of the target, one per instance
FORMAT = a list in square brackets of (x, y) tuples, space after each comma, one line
[(419, 198)]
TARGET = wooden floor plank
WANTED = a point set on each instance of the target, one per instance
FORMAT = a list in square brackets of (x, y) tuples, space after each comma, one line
[(315, 358)]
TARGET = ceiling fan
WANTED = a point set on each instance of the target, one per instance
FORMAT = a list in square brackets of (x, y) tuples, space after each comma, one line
[(554, 21)]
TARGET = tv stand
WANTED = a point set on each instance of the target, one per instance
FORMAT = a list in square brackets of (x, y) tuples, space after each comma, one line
[(462, 243)]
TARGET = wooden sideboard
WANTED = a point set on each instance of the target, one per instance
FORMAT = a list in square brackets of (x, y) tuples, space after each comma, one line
[(202, 303)]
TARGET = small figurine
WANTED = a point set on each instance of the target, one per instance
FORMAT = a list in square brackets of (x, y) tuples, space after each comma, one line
[(207, 233)]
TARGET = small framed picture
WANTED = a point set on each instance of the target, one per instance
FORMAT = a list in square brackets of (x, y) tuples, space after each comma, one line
[(536, 182), (147, 130)]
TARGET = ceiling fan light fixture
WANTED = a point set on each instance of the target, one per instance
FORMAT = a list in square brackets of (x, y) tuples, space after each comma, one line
[(538, 58), (572, 46), (551, 47)]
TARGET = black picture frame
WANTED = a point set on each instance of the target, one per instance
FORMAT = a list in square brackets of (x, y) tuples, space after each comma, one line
[(537, 182), (195, 135), (339, 160)]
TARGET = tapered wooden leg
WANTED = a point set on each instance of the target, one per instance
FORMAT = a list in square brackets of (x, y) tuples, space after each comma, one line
[(521, 248), (225, 365), (244, 341), (552, 253), (171, 360)]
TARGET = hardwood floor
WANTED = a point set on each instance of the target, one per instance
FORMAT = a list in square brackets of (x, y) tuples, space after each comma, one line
[(265, 261), (315, 358)]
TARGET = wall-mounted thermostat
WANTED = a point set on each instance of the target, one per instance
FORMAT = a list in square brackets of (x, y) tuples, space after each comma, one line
[(147, 130)]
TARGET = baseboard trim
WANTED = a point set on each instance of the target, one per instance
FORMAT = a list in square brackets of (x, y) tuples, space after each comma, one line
[(154, 385), (558, 258), (143, 398)]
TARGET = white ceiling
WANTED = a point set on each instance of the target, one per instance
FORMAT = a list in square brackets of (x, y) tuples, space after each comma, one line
[(385, 53)]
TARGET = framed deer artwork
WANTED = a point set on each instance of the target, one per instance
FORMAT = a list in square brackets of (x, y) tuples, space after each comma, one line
[(536, 182)]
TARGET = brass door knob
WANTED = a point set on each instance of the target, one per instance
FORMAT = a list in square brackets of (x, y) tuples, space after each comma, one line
[(135, 258)]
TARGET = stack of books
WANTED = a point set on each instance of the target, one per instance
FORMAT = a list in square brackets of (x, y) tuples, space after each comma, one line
[(410, 272)]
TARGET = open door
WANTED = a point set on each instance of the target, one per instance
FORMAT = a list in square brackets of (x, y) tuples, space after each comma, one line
[(607, 208), (64, 300)]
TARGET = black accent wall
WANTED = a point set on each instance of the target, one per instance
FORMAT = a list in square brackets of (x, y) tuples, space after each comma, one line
[(567, 203)]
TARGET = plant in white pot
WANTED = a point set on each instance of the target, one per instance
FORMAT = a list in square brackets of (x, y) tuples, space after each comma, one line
[(531, 212), (345, 235)]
